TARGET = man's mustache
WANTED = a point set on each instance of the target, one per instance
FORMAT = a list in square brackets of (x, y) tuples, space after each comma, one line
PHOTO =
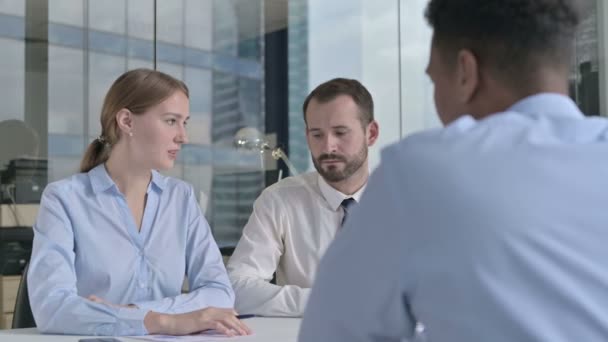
[(331, 156)]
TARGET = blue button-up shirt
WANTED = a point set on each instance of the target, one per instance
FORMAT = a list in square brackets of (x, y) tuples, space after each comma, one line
[(86, 243), (491, 230)]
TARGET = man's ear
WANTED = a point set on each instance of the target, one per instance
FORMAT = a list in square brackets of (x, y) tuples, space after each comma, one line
[(467, 74), (372, 132), (124, 120)]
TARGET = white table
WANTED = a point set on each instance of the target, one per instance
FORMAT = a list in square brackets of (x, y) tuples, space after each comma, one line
[(266, 329)]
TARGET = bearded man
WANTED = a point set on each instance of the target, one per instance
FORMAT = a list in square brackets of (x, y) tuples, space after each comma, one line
[(294, 221)]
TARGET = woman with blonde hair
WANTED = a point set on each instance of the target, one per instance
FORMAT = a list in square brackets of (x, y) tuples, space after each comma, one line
[(112, 243)]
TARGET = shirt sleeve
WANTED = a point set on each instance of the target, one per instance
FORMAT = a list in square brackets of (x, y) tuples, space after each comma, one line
[(55, 303), (255, 260), (359, 293), (207, 278)]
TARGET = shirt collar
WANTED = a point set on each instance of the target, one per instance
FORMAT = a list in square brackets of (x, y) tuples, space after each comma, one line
[(158, 180), (334, 197), (546, 104), (101, 180)]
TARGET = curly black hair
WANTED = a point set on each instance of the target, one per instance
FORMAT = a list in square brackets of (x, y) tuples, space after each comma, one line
[(509, 36)]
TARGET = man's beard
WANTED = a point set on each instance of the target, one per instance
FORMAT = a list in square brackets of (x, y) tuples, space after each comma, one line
[(333, 174)]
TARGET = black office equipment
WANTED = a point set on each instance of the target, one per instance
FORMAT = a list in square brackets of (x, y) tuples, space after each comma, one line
[(23, 180), (15, 249)]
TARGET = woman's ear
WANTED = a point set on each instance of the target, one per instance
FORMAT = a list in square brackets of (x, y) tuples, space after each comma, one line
[(124, 120)]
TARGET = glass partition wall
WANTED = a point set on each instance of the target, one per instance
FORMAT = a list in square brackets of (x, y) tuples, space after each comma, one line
[(59, 57), (248, 63)]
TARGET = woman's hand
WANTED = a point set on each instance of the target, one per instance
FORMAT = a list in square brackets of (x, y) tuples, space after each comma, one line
[(223, 321)]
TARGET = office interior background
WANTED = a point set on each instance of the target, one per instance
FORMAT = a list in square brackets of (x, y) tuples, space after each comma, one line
[(248, 63)]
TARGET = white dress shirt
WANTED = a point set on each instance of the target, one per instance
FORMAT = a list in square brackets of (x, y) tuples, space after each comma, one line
[(292, 224)]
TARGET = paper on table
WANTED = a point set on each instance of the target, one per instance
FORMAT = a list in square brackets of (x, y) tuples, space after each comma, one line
[(205, 336)]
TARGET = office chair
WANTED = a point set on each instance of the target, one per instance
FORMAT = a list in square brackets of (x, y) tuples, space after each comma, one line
[(22, 315)]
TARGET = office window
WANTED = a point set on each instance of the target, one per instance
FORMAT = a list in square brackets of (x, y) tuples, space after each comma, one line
[(199, 24), (107, 16), (170, 21), (224, 50), (68, 12), (135, 63), (140, 19), (103, 70), (12, 72), (13, 7), (417, 105), (66, 95), (585, 74)]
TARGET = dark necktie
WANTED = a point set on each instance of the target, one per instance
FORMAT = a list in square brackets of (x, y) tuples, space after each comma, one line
[(347, 205)]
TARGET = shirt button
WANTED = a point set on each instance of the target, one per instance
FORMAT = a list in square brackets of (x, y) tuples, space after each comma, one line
[(142, 285)]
